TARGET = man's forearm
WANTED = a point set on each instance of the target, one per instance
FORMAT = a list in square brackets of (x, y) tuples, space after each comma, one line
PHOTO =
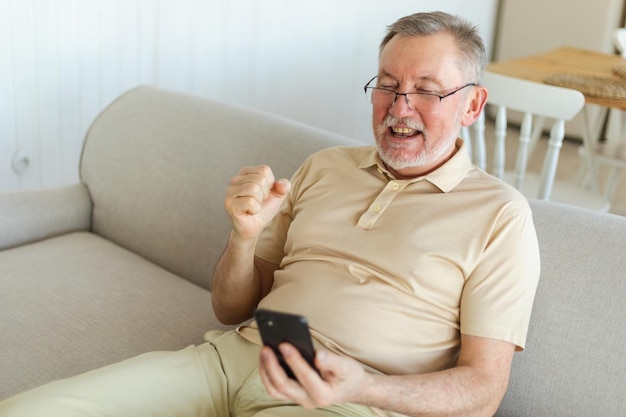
[(475, 387), (461, 391), (240, 281), (236, 287)]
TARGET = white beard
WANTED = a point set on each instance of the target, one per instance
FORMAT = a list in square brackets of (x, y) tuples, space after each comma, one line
[(396, 160)]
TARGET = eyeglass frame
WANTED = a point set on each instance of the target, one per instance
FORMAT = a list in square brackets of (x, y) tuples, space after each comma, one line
[(406, 95)]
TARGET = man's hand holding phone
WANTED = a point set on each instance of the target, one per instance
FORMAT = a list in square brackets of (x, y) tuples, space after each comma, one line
[(326, 379), (279, 328)]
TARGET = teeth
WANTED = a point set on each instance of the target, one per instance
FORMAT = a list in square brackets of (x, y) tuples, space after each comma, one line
[(403, 130)]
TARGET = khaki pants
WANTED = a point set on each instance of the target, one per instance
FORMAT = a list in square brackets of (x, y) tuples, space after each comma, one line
[(216, 379)]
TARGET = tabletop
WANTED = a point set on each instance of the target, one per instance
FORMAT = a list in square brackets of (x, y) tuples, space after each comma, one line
[(564, 60)]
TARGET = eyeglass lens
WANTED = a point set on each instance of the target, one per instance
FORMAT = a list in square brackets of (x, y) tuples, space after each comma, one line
[(416, 101)]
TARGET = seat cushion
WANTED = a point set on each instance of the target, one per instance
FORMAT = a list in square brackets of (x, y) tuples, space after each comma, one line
[(86, 303)]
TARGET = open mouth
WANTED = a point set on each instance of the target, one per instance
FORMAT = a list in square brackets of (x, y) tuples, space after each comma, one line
[(403, 132)]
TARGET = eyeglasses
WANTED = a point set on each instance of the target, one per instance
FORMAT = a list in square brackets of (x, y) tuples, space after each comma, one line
[(423, 102)]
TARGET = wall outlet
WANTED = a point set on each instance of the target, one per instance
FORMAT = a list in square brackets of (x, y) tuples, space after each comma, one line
[(20, 162)]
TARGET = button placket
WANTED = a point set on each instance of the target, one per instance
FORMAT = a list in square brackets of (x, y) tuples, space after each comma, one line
[(380, 204)]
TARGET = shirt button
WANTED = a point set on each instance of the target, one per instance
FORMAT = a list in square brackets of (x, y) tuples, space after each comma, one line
[(395, 186), (377, 209)]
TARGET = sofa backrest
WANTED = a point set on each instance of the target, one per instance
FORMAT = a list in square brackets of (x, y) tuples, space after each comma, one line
[(575, 358), (157, 165)]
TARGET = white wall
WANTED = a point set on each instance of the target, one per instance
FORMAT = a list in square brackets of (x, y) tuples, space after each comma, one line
[(62, 61)]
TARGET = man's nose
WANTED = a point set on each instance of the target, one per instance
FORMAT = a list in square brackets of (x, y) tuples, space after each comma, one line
[(401, 104)]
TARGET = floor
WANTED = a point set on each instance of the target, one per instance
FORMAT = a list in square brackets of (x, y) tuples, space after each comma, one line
[(568, 167)]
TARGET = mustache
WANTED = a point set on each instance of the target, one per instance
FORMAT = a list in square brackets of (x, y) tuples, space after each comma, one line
[(390, 121)]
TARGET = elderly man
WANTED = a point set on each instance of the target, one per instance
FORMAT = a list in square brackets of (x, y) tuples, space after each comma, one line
[(416, 270)]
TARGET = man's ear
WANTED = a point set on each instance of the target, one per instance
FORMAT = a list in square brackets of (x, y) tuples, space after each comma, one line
[(476, 103)]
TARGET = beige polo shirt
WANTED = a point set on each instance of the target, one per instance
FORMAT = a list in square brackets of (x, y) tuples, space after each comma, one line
[(390, 272)]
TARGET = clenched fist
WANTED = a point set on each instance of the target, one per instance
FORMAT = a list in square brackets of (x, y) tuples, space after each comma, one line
[(253, 199)]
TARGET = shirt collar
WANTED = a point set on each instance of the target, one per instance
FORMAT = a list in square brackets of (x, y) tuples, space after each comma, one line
[(446, 177)]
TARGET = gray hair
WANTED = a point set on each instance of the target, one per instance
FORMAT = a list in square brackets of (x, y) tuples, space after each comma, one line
[(470, 44)]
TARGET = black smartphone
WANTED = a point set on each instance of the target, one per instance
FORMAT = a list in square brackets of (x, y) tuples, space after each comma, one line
[(278, 327)]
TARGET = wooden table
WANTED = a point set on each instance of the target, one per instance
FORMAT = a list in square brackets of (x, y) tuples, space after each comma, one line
[(564, 60)]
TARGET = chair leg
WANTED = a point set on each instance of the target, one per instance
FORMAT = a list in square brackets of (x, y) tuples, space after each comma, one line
[(548, 172), (499, 149), (538, 125), (583, 178), (611, 184), (523, 153), (589, 139), (479, 153)]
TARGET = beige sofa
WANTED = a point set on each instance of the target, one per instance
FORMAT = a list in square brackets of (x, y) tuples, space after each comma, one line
[(121, 264)]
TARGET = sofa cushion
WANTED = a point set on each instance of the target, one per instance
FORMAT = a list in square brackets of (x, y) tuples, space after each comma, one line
[(86, 303), (157, 164), (574, 363)]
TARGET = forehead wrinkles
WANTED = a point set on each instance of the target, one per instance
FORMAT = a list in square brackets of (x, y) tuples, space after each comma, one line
[(415, 81), (423, 59)]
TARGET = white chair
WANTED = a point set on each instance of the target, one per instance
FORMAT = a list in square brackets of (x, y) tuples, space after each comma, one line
[(536, 101), (612, 152)]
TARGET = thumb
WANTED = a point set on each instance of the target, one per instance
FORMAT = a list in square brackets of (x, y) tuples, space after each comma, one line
[(272, 203), (281, 188), (324, 362)]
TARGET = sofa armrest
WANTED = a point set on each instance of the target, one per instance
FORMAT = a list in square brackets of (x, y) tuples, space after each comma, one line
[(32, 215)]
